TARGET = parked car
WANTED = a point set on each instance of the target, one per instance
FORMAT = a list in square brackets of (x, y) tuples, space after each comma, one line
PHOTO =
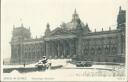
[(82, 61)]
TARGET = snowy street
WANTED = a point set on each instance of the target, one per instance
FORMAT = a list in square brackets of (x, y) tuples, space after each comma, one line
[(70, 71)]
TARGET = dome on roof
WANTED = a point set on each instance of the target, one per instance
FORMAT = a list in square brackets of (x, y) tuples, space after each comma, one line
[(75, 23)]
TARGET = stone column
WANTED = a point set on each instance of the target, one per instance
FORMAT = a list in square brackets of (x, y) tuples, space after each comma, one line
[(69, 42), (58, 48), (55, 49), (47, 49), (44, 48), (50, 52), (102, 46), (72, 47), (68, 50), (119, 45), (51, 49), (79, 45), (64, 48)]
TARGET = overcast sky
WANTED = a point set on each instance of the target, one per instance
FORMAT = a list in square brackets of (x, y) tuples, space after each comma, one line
[(36, 13)]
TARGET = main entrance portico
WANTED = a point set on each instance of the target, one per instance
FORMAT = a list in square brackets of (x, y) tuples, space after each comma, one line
[(60, 46)]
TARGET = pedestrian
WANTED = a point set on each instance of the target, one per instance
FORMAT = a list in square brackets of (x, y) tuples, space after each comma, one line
[(24, 64)]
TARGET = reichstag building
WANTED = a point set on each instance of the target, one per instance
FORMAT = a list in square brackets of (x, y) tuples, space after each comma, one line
[(69, 40)]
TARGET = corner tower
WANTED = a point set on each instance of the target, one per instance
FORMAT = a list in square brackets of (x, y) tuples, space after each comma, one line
[(19, 34), (121, 19)]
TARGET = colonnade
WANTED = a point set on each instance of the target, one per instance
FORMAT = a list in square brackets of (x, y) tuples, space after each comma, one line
[(61, 48)]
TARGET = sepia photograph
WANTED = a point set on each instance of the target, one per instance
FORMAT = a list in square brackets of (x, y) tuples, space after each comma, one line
[(64, 40)]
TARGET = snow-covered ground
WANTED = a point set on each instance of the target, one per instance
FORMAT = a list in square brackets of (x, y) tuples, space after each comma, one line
[(53, 61), (69, 72)]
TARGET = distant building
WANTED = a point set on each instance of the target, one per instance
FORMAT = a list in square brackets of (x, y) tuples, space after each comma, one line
[(69, 40)]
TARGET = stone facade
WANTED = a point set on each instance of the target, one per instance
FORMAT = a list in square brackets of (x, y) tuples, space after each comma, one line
[(70, 40)]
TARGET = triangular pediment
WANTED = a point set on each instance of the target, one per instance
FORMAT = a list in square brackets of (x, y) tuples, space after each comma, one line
[(59, 31)]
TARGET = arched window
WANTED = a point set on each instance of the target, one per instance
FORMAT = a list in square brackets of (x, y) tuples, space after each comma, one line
[(85, 51), (106, 50), (99, 50), (113, 50), (96, 51), (92, 51)]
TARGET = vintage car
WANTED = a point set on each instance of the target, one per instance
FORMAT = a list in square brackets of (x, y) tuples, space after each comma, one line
[(82, 61)]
